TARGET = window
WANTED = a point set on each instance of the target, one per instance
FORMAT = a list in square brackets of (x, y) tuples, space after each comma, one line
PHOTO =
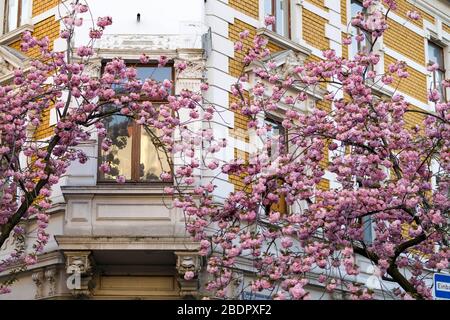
[(358, 46), (133, 153), (16, 14), (366, 222), (277, 136), (280, 9), (367, 229), (436, 55)]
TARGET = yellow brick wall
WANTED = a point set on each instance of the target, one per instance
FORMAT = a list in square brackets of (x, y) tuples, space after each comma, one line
[(273, 47), (446, 28), (344, 47), (240, 130), (249, 7), (324, 184), (238, 180), (44, 130), (326, 106), (403, 6), (314, 30), (415, 85), (48, 27), (405, 41), (235, 65), (344, 12), (319, 3), (40, 6), (412, 118)]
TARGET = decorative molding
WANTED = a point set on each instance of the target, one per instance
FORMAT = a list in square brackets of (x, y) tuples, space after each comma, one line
[(16, 34), (78, 262), (125, 243), (79, 269), (434, 8), (114, 190), (38, 279), (283, 41), (11, 59), (188, 261), (50, 276), (44, 260), (146, 42), (195, 70)]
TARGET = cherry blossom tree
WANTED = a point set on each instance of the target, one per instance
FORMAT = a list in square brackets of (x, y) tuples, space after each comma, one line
[(31, 167), (389, 175), (386, 172)]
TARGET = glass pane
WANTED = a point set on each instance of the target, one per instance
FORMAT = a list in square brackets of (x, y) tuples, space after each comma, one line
[(435, 54), (25, 12), (268, 9), (367, 229), (158, 74), (152, 162), (357, 46), (281, 14), (439, 77), (356, 7), (276, 136), (119, 130), (13, 9)]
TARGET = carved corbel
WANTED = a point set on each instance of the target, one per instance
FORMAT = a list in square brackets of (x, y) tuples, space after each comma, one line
[(79, 269), (191, 77), (50, 276), (38, 279), (188, 262)]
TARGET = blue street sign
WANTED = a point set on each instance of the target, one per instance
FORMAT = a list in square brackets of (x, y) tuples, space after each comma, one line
[(246, 295), (441, 286)]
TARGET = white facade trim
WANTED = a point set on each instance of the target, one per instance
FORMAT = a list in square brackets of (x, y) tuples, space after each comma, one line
[(314, 9), (16, 34), (245, 18), (410, 62), (220, 10), (405, 23), (433, 7), (413, 101), (45, 15)]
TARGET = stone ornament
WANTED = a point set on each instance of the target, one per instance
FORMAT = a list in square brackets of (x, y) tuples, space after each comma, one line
[(77, 262)]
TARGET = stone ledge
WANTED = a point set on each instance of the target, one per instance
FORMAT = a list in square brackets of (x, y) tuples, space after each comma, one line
[(16, 34), (126, 243)]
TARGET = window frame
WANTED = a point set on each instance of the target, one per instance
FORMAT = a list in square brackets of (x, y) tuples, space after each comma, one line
[(20, 15), (270, 118), (367, 37), (136, 133), (274, 13), (441, 69)]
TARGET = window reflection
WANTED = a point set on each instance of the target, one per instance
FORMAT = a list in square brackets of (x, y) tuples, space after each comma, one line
[(358, 46), (120, 131), (436, 55), (135, 153), (152, 161)]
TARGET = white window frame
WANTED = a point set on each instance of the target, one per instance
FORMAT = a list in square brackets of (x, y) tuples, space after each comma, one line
[(25, 17)]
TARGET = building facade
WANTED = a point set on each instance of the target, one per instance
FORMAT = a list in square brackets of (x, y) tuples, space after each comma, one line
[(113, 241)]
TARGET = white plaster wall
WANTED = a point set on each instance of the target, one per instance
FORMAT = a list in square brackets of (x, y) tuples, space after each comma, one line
[(157, 17)]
